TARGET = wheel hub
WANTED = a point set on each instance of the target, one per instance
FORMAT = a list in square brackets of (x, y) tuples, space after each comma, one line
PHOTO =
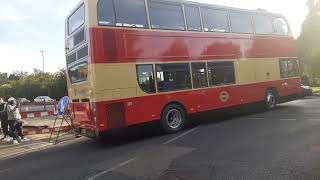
[(271, 100), (174, 118)]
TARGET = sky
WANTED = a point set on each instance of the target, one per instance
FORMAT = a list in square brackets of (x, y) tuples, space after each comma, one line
[(30, 26)]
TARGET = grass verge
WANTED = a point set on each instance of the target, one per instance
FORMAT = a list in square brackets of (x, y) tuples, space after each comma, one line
[(316, 89)]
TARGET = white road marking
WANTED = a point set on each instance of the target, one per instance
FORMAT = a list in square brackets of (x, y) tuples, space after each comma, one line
[(288, 119), (4, 170), (178, 137), (112, 169), (12, 147), (314, 119), (257, 118), (127, 162), (29, 150)]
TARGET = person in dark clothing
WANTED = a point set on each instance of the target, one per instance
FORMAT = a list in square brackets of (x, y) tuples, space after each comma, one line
[(4, 120)]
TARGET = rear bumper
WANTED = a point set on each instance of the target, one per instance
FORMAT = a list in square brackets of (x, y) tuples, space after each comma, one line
[(86, 132)]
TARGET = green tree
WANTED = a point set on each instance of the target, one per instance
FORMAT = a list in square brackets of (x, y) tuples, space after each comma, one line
[(36, 84), (16, 75), (3, 78), (309, 43)]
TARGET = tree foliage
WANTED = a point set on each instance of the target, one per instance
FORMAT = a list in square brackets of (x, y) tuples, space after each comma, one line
[(20, 84), (309, 43)]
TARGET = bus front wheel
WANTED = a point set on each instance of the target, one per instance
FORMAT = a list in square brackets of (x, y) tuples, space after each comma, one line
[(270, 100), (173, 118)]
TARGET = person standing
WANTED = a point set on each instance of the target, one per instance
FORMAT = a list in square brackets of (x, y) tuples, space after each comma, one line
[(4, 120), (14, 120)]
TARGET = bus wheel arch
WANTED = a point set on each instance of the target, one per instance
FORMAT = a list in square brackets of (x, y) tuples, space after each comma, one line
[(173, 117), (271, 98)]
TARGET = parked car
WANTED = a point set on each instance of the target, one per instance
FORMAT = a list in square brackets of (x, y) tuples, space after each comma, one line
[(306, 91), (22, 100), (43, 99)]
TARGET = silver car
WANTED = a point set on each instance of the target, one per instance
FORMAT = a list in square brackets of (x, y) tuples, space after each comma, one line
[(43, 99)]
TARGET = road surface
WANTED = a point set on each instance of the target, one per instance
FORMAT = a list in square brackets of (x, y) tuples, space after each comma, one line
[(281, 144)]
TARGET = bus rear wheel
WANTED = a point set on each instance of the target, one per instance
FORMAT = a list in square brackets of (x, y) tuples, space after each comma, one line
[(173, 119), (270, 100)]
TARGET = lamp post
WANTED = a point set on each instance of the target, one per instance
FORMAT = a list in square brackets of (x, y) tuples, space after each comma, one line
[(42, 52)]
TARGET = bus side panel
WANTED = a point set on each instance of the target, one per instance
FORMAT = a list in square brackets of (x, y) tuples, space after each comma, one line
[(149, 108), (290, 87), (124, 46)]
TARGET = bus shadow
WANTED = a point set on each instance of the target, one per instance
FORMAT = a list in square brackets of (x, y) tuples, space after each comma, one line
[(228, 114), (133, 134), (153, 130)]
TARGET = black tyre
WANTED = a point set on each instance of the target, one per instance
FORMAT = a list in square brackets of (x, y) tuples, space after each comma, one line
[(173, 118), (270, 100)]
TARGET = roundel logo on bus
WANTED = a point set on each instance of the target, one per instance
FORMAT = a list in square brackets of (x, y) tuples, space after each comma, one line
[(224, 96)]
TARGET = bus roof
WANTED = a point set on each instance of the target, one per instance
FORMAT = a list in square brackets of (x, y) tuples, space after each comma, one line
[(187, 2)]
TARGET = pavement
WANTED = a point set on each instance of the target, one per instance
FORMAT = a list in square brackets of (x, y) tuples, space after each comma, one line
[(243, 144), (35, 143), (42, 122), (39, 128)]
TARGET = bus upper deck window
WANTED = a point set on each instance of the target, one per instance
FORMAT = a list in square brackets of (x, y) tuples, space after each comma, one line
[(167, 16), (193, 18), (123, 13), (263, 24), (215, 20), (241, 22), (280, 26)]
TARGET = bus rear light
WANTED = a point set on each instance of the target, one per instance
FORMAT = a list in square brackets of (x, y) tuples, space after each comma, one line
[(95, 119), (95, 114)]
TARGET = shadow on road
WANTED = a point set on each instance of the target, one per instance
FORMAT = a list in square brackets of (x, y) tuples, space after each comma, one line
[(153, 130)]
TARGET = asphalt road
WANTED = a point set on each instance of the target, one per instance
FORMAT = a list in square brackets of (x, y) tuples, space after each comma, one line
[(281, 144)]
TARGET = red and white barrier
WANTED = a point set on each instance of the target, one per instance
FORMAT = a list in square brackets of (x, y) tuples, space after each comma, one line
[(25, 115), (46, 131), (36, 110)]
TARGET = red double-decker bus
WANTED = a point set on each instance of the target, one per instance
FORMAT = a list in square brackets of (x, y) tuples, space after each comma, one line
[(136, 61)]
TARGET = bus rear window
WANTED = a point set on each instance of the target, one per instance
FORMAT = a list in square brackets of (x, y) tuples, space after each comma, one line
[(78, 73), (76, 19)]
